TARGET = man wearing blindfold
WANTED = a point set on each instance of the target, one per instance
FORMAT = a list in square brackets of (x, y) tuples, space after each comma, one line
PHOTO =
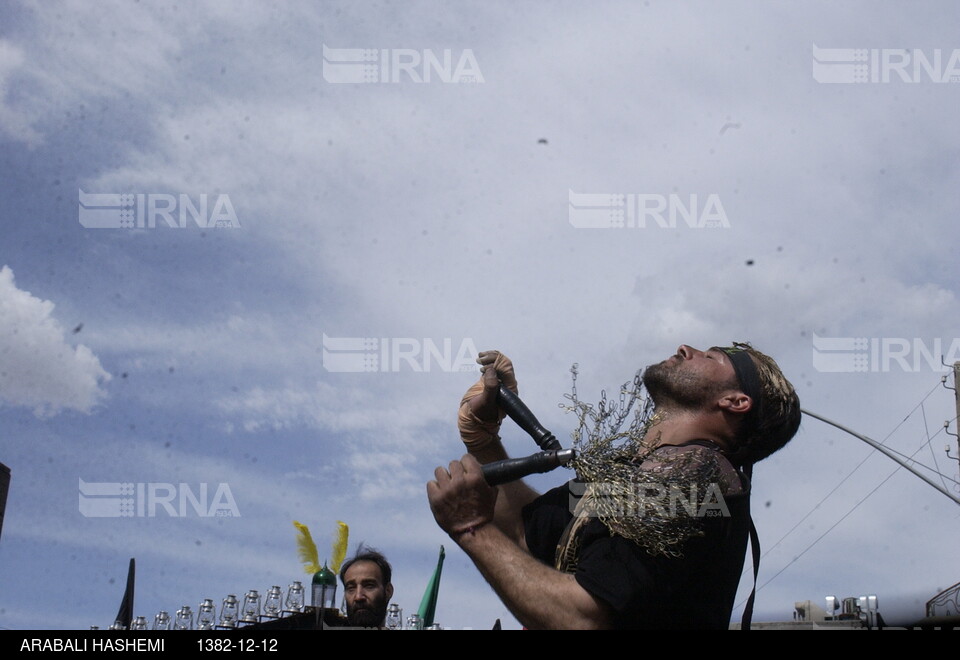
[(653, 533)]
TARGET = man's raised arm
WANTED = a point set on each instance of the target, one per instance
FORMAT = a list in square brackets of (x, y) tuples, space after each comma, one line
[(479, 423)]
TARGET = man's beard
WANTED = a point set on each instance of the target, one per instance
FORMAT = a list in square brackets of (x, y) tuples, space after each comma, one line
[(669, 386), (371, 615)]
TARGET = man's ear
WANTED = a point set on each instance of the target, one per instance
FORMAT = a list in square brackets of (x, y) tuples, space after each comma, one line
[(736, 402), (389, 591)]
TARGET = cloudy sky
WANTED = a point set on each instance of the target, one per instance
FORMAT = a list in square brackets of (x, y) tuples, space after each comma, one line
[(429, 201)]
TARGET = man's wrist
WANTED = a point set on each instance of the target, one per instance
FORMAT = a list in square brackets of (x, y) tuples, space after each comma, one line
[(468, 534), (468, 530), (477, 434)]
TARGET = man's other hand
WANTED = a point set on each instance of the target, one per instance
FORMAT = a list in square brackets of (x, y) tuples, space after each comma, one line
[(460, 499)]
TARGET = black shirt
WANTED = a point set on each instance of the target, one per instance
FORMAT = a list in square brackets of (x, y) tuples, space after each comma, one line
[(693, 591)]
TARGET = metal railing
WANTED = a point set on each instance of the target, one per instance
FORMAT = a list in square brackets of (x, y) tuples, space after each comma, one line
[(945, 603)]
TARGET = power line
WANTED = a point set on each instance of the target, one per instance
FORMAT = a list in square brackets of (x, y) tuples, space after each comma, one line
[(867, 496), (829, 529), (832, 527), (927, 467), (849, 474)]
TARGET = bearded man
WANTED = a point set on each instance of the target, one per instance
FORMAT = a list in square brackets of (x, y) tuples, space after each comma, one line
[(614, 549), (367, 588)]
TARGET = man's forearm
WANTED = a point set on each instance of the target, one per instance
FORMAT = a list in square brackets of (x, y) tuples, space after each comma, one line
[(488, 452), (538, 595), (513, 496)]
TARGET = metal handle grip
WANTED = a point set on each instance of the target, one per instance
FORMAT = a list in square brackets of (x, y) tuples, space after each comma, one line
[(518, 412)]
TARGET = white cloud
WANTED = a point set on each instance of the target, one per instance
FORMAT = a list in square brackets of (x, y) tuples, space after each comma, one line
[(13, 122), (38, 368)]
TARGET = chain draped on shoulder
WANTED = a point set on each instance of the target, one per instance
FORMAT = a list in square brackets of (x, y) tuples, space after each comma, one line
[(653, 496)]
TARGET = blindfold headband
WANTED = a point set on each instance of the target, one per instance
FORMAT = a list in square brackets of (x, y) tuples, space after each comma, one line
[(747, 376)]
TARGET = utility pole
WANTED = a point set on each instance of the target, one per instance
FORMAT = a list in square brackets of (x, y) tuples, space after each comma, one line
[(956, 396)]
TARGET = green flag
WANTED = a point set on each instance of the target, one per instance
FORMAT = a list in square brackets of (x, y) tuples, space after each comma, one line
[(428, 606), (125, 614)]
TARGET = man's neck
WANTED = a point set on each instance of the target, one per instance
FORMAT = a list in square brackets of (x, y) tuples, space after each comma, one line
[(675, 427)]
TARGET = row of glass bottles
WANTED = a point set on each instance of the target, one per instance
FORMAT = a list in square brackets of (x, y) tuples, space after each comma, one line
[(414, 622), (232, 614)]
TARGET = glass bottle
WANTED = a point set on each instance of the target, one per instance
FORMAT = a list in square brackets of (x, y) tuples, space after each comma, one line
[(394, 617), (229, 611), (206, 615), (251, 607), (183, 619), (273, 603), (295, 597)]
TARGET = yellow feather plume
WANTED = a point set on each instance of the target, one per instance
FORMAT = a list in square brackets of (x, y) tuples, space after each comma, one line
[(339, 546), (307, 549)]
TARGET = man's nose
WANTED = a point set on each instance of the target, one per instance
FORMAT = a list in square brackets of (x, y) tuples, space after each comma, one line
[(687, 352)]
